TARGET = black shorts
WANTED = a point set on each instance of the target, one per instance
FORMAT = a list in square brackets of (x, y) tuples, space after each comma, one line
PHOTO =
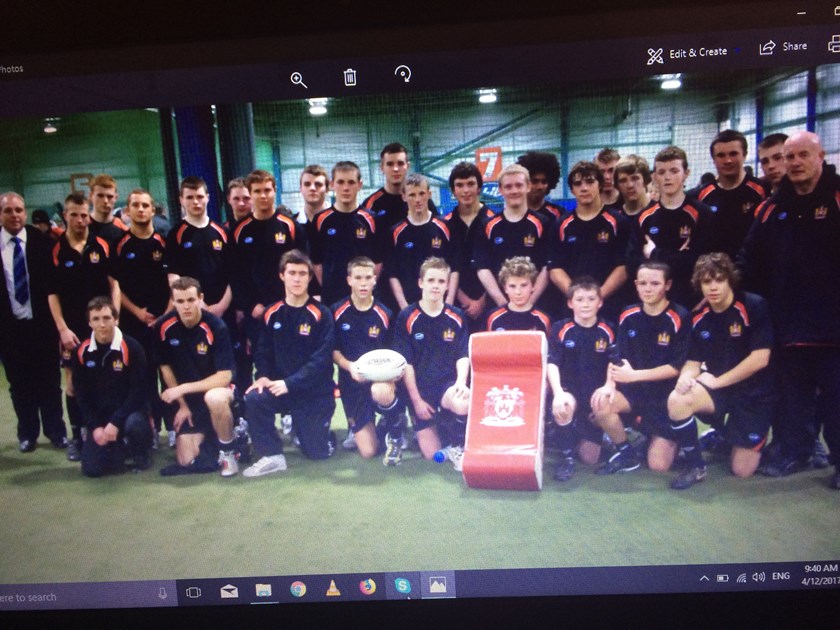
[(358, 404), (585, 428), (200, 417), (432, 394), (745, 419), (650, 413)]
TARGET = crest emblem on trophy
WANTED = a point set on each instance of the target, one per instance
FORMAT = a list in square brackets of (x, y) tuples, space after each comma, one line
[(504, 407)]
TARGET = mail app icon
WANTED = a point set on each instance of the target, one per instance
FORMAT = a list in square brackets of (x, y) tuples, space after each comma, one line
[(229, 591)]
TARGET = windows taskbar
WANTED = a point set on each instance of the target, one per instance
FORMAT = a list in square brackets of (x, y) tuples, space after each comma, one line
[(425, 585)]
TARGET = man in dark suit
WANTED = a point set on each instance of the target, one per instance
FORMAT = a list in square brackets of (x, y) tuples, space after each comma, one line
[(28, 338)]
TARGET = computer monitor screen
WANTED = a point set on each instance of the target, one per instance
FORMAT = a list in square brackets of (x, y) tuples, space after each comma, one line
[(619, 376)]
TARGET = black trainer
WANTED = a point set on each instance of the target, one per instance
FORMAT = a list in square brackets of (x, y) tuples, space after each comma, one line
[(74, 451), (624, 460), (689, 478), (784, 466), (141, 463), (564, 469)]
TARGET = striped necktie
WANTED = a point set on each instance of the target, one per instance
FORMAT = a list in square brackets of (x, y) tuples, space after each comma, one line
[(19, 272)]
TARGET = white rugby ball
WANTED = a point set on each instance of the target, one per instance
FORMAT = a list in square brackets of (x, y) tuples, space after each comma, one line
[(381, 365)]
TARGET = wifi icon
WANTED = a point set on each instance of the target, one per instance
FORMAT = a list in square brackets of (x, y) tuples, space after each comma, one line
[(742, 579)]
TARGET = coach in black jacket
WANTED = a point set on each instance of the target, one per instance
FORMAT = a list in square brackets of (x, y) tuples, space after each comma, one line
[(28, 339)]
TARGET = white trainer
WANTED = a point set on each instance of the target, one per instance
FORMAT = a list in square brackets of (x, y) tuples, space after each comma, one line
[(229, 465), (349, 443), (266, 466)]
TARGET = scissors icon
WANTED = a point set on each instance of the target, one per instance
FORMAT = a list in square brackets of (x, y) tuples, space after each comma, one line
[(297, 79)]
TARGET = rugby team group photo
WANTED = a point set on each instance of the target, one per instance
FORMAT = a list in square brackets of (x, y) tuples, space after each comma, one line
[(667, 299)]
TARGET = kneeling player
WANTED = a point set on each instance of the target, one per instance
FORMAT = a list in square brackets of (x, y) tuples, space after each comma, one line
[(294, 373), (732, 336), (433, 337), (652, 346), (362, 324), (196, 361), (109, 374), (579, 352), (516, 278)]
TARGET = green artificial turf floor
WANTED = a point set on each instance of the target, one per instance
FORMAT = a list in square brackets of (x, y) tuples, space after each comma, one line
[(348, 515)]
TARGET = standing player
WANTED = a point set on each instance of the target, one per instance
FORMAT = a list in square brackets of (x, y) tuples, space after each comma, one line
[(363, 324), (733, 196), (109, 374), (433, 337), (591, 240), (259, 242), (632, 179), (652, 344), (198, 248), (103, 199), (314, 182), (607, 159), (465, 223), (193, 349), (578, 358), (239, 200), (726, 375), (675, 230), (791, 256), (416, 238), (140, 268), (771, 157), (81, 271), (544, 171), (388, 206), (516, 231), (294, 372), (341, 233), (387, 203), (28, 339), (517, 278)]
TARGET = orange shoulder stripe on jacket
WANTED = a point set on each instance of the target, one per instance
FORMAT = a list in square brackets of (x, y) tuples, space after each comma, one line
[(220, 230), (674, 318), (271, 310), (240, 227), (627, 313), (491, 224), (444, 228), (122, 242), (704, 192), (644, 215), (409, 322), (80, 351), (692, 211), (166, 326), (341, 310), (290, 224), (608, 330), (316, 313), (739, 306), (537, 223), (561, 334), (104, 245), (386, 321), (207, 331)]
